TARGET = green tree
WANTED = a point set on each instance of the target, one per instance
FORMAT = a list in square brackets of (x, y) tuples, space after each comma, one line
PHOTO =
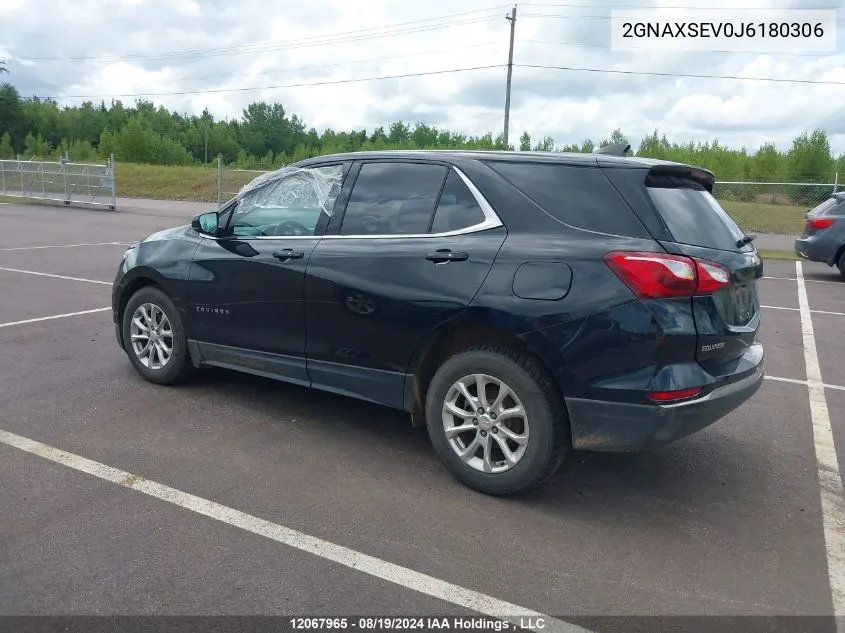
[(615, 137), (399, 133), (809, 158), (12, 117), (82, 151), (35, 147), (525, 142), (6, 149), (767, 165)]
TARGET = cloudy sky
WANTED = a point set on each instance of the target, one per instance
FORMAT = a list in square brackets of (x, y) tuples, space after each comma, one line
[(224, 54)]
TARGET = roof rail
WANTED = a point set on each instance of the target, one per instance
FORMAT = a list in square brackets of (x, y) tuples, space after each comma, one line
[(616, 149)]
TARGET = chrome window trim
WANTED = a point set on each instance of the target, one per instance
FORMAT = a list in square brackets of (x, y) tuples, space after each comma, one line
[(491, 221)]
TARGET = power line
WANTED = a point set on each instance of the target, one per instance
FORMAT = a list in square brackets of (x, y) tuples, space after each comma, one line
[(586, 17), (296, 85), (589, 44), (657, 6), (316, 67), (685, 75), (456, 70), (314, 43), (370, 32)]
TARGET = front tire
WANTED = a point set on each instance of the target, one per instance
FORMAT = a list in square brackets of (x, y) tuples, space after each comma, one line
[(496, 421), (154, 338)]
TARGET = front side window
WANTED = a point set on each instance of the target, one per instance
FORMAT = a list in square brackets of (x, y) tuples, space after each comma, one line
[(393, 199), (287, 204)]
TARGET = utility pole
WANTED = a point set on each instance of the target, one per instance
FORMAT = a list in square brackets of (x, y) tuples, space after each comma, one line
[(512, 19), (206, 141)]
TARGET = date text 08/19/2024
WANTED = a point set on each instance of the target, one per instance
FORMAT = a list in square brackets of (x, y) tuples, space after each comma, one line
[(416, 623)]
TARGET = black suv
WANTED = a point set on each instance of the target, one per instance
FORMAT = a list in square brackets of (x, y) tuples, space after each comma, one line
[(517, 304)]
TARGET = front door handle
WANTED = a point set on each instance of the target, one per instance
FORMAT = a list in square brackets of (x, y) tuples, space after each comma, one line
[(445, 255), (287, 254)]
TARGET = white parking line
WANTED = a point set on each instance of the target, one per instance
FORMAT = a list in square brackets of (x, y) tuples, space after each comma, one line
[(55, 316), (814, 281), (830, 481), (799, 309), (35, 248), (358, 561), (796, 381), (32, 272)]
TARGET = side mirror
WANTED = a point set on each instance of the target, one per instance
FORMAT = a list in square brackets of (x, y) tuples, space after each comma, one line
[(206, 223)]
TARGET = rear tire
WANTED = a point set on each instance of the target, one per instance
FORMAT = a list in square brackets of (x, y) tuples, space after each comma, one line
[(841, 264), (154, 338), (537, 440)]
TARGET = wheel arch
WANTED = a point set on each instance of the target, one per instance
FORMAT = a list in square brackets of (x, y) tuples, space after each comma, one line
[(446, 341), (838, 255), (140, 278)]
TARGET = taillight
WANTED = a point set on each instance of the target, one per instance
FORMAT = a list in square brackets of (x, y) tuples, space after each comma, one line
[(673, 396), (711, 276), (820, 223), (661, 276)]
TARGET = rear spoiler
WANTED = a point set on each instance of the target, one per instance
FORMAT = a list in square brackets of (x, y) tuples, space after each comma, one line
[(702, 176)]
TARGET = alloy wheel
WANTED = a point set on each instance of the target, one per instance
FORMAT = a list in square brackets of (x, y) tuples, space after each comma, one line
[(485, 423), (152, 336)]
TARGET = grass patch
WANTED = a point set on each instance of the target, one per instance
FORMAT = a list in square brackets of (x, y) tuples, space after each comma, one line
[(766, 218), (166, 183), (767, 253), (199, 183), (195, 183)]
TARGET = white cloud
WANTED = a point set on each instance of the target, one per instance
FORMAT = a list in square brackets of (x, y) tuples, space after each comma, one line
[(261, 45)]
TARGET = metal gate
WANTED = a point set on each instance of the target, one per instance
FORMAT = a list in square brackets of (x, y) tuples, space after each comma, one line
[(59, 181)]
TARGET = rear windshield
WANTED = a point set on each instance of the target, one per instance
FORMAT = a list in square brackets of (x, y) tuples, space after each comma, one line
[(692, 214)]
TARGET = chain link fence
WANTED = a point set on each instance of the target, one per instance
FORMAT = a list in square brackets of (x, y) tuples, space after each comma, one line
[(59, 181), (798, 195)]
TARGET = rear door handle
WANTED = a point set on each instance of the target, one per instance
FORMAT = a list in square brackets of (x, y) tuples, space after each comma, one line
[(288, 253), (445, 255)]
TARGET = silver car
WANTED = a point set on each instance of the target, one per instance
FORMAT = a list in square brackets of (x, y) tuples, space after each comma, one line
[(823, 239)]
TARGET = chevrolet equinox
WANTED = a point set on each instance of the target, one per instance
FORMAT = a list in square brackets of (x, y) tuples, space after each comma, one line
[(519, 305)]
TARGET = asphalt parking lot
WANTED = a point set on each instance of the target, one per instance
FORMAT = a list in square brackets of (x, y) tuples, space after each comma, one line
[(328, 506)]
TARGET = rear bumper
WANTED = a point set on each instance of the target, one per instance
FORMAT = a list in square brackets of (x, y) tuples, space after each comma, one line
[(625, 427), (810, 249)]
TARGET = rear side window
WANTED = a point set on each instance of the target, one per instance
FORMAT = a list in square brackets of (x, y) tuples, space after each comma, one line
[(457, 209), (578, 196), (835, 206), (393, 199), (823, 208), (836, 209), (692, 214)]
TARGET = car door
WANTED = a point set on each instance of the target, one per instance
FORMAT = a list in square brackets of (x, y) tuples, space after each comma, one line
[(246, 285), (409, 252)]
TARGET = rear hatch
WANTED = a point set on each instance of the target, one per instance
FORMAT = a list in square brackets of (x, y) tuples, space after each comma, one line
[(727, 308)]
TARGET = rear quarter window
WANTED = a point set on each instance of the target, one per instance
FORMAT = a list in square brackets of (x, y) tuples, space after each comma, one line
[(692, 214), (823, 208), (838, 208), (578, 196)]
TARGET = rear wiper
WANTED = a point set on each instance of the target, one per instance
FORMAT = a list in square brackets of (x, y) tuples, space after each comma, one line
[(747, 239)]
